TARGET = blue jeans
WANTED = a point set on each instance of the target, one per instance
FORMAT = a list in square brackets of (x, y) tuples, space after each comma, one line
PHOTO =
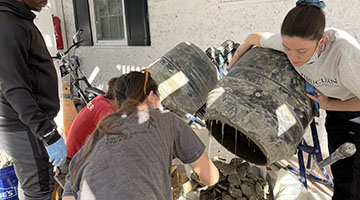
[(31, 163)]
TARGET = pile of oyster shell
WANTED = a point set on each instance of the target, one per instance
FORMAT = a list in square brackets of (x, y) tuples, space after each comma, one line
[(5, 159), (236, 182)]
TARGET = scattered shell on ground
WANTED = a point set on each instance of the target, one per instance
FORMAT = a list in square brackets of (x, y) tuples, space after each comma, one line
[(234, 192), (241, 198), (226, 196), (247, 189), (228, 169), (254, 197), (243, 170), (236, 182), (234, 179)]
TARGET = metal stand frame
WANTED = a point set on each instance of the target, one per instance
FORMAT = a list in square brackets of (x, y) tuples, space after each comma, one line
[(312, 151)]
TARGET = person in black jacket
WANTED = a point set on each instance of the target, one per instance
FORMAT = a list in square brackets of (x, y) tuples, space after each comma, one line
[(29, 99)]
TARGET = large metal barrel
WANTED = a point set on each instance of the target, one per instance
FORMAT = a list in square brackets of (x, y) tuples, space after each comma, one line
[(260, 110), (185, 76)]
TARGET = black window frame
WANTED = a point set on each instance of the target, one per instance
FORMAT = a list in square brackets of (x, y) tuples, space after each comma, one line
[(137, 22)]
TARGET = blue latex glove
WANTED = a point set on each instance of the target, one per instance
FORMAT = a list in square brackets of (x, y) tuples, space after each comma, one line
[(57, 152), (311, 90), (228, 69)]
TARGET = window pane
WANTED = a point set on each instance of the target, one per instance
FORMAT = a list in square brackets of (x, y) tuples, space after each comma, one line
[(104, 31), (115, 23), (115, 6), (109, 18)]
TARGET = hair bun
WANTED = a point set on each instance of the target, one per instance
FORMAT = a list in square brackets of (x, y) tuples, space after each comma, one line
[(316, 3)]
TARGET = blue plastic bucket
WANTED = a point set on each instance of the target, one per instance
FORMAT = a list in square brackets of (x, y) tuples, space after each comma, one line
[(8, 184)]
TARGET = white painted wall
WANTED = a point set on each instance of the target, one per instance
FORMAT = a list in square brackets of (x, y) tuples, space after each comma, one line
[(44, 22)]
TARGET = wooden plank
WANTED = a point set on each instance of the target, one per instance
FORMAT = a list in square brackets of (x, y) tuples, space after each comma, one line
[(68, 108), (184, 189)]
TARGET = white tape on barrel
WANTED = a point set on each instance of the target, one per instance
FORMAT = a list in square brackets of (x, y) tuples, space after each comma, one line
[(285, 119), (172, 84)]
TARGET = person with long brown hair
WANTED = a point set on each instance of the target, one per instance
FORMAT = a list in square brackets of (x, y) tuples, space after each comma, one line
[(130, 153), (329, 60)]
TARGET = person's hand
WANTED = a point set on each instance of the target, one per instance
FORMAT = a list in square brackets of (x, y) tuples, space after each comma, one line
[(322, 99), (57, 152)]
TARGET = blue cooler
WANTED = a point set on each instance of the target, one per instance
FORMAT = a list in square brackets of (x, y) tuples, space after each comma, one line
[(8, 184)]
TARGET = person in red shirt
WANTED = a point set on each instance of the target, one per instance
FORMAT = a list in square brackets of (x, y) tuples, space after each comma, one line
[(87, 119)]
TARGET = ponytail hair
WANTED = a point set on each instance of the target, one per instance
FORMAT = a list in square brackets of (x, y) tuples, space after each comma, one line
[(306, 20)]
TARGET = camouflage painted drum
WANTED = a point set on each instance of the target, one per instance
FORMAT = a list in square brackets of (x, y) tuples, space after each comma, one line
[(260, 110), (185, 76)]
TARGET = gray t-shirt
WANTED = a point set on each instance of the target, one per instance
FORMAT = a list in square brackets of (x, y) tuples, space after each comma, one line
[(337, 71), (139, 167)]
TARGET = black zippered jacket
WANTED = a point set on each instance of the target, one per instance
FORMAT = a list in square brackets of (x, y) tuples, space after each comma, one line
[(28, 80)]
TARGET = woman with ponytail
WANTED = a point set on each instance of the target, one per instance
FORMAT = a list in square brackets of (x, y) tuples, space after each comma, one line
[(129, 155), (328, 59)]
